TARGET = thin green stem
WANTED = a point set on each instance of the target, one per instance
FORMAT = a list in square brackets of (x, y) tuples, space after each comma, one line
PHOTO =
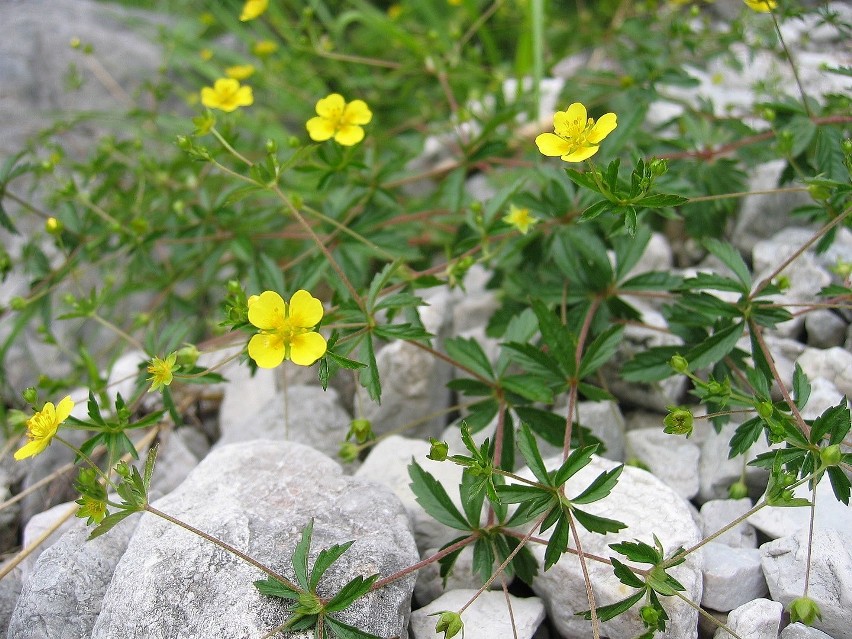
[(115, 329), (86, 459), (792, 63), (227, 146), (578, 356), (353, 234), (810, 540), (727, 196)]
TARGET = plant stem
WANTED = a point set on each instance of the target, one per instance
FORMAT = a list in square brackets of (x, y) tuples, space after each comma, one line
[(115, 329), (578, 356), (792, 64), (810, 540), (706, 614), (229, 148), (461, 543), (590, 595)]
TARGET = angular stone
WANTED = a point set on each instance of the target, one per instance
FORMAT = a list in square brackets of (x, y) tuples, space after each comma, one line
[(648, 507), (303, 414), (60, 517), (486, 618), (829, 514), (784, 563), (825, 329), (758, 619), (257, 496), (824, 395), (10, 590), (674, 459), (718, 513), (801, 631), (388, 463), (732, 576), (62, 595)]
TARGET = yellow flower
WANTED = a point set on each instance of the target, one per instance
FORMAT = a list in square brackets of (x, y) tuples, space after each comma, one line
[(576, 136), (761, 6), (53, 226), (253, 8), (162, 371), (42, 427), (263, 48), (226, 94), (337, 119), (205, 54), (240, 71), (286, 330), (520, 219)]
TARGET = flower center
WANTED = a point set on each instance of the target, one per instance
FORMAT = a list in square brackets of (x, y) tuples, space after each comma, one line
[(40, 426)]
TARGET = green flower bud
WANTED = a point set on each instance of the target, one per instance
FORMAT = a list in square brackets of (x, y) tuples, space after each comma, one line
[(187, 355), (678, 422), (18, 303), (659, 167), (234, 287), (804, 609), (297, 200), (831, 455), (782, 282), (30, 395), (449, 623), (348, 452), (679, 364), (650, 616), (184, 143), (738, 490), (626, 81), (439, 450), (768, 114), (293, 142), (819, 192), (764, 409), (361, 430), (53, 226), (271, 146)]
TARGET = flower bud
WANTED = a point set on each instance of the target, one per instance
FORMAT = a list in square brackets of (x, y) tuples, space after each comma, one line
[(679, 421), (30, 395), (438, 451), (819, 192), (187, 355), (804, 609), (450, 623), (679, 364), (18, 303), (361, 430), (738, 490), (764, 409), (650, 616), (831, 455), (53, 226), (348, 452)]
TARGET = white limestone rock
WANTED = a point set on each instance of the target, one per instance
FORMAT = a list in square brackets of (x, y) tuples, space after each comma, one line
[(718, 513), (829, 514), (758, 619), (672, 458), (648, 507), (39, 524), (830, 586), (801, 631), (834, 364), (824, 395), (717, 472), (388, 463), (825, 329), (732, 576), (486, 618), (257, 496), (304, 414)]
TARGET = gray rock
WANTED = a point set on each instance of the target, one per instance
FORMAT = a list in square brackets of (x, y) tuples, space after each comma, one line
[(830, 586), (647, 506), (829, 514), (486, 618), (674, 459), (9, 516), (10, 590), (304, 414), (606, 422), (388, 463), (718, 513), (40, 524), (801, 631), (174, 462), (758, 619), (732, 576), (785, 352), (62, 596), (834, 364), (717, 472), (170, 583), (825, 329)]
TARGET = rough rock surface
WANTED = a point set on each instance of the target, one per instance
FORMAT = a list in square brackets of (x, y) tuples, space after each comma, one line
[(717, 472), (830, 583), (717, 513), (171, 584), (829, 514), (10, 590), (833, 364), (758, 619), (732, 576), (801, 631), (62, 596), (671, 458), (647, 506), (486, 618)]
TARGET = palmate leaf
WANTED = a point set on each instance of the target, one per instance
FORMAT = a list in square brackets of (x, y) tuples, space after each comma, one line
[(577, 460), (601, 350), (469, 354), (431, 495), (273, 588), (840, 484), (715, 347), (624, 574), (801, 388), (326, 557)]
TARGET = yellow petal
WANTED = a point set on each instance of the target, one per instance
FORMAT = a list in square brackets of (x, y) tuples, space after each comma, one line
[(63, 409), (581, 154), (305, 310), (226, 86), (320, 129), (603, 127), (331, 106), (266, 350), (552, 145), (244, 96), (571, 122), (307, 348), (349, 135), (252, 9), (32, 449), (357, 112), (209, 98), (267, 311)]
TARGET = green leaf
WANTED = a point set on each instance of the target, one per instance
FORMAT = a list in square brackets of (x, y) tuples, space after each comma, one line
[(558, 543), (529, 387), (651, 281), (661, 200), (801, 387), (369, 376), (628, 251), (595, 524), (300, 555), (714, 282), (583, 180), (840, 484), (400, 331), (469, 354), (802, 129), (557, 337), (518, 493), (829, 154), (601, 350), (483, 558), (605, 613), (326, 557), (744, 437), (273, 588), (715, 347), (345, 631), (577, 460), (731, 258), (150, 460), (600, 487), (528, 446), (431, 495), (108, 522), (472, 499), (651, 365), (638, 551), (470, 387), (357, 587), (625, 575), (532, 359), (596, 209), (833, 422)]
